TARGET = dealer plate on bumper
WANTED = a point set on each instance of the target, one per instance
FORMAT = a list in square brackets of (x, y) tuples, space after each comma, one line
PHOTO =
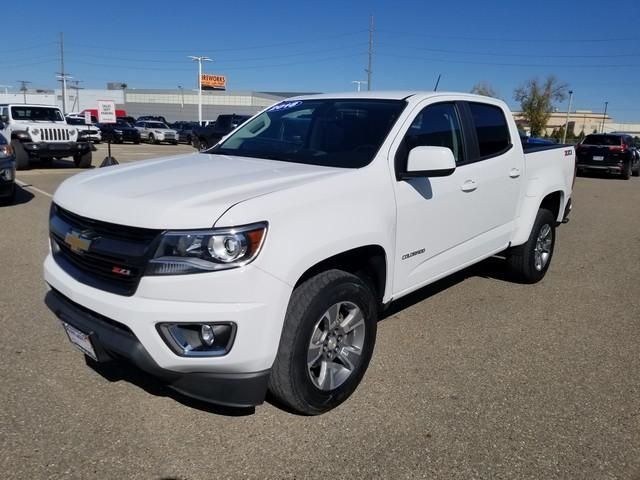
[(598, 157), (80, 340)]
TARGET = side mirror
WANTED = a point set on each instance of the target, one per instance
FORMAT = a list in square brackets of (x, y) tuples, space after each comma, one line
[(429, 162)]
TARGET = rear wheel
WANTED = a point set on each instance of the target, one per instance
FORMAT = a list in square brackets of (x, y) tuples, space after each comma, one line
[(82, 160), (203, 144), (626, 170), (636, 171), (22, 156), (529, 262), (327, 341)]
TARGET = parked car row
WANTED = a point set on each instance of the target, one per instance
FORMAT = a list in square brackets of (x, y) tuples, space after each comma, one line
[(609, 152)]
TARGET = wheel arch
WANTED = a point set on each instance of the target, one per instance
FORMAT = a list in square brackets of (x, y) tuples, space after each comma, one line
[(554, 201), (368, 261)]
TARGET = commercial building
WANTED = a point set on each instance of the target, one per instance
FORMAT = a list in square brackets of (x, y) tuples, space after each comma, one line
[(585, 121)]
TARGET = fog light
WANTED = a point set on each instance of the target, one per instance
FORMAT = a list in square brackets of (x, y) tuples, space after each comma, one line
[(198, 339), (207, 335)]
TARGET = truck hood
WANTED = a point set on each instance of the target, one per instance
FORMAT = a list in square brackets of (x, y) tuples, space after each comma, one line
[(180, 192)]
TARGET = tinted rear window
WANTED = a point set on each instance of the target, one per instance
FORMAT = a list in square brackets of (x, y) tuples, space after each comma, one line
[(602, 140), (491, 128)]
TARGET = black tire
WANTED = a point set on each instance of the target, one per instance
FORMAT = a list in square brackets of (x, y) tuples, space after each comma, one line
[(636, 171), (136, 142), (290, 382), (522, 259), (189, 142), (9, 200), (174, 142), (626, 171), (203, 144), (22, 156), (152, 139), (83, 160)]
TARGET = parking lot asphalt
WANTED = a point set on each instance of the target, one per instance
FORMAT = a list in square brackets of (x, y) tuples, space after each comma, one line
[(473, 377)]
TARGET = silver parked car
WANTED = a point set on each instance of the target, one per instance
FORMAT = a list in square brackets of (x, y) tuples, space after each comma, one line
[(156, 132)]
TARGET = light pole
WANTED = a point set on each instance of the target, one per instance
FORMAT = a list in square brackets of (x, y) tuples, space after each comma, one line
[(181, 97), (359, 83), (604, 116), (6, 88), (200, 59), (566, 123)]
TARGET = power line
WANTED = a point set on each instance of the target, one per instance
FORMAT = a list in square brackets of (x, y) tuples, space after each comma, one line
[(514, 40), (220, 50), (230, 60), (505, 64)]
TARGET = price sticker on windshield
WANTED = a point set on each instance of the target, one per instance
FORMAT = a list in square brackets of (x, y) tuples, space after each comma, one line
[(285, 106)]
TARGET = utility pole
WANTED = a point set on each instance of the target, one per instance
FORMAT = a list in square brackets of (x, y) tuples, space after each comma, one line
[(566, 123), (604, 116), (181, 97), (359, 83), (368, 70), (200, 59), (62, 76), (23, 88), (76, 101)]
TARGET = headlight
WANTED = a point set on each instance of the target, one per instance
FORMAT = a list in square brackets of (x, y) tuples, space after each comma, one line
[(35, 131), (207, 250), (6, 151), (73, 133)]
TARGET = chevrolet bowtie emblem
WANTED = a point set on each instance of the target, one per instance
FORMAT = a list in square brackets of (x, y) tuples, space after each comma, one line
[(77, 242)]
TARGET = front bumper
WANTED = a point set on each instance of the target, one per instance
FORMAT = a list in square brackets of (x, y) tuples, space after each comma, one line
[(253, 300), (56, 149), (112, 340), (7, 178)]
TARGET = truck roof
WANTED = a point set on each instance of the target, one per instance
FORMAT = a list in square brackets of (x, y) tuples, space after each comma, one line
[(393, 95), (27, 105)]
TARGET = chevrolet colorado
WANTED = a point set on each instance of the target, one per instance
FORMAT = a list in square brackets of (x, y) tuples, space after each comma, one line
[(263, 263)]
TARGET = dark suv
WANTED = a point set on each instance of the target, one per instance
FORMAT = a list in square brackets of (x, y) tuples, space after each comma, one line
[(7, 172), (609, 152), (119, 132)]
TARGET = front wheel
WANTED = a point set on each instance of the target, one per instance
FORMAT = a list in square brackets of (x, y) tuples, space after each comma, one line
[(152, 139), (529, 262), (327, 341), (82, 160), (22, 156)]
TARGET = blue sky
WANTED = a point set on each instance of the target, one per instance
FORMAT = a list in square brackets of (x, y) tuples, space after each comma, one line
[(322, 46)]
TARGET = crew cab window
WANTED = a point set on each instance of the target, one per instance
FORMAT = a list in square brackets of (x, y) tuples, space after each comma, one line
[(492, 129), (436, 126)]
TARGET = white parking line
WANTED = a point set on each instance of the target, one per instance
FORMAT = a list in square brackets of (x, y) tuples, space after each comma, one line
[(31, 187)]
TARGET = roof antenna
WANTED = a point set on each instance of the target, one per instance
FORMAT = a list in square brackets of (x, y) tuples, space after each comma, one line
[(435, 89)]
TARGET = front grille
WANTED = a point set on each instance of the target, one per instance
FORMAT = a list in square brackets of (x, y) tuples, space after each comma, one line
[(117, 255), (55, 134)]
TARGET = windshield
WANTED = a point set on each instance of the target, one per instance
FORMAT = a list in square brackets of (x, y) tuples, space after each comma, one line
[(602, 140), (156, 125), (334, 132), (75, 121), (37, 114)]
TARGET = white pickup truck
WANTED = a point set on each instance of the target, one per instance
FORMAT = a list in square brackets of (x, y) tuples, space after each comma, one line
[(263, 263)]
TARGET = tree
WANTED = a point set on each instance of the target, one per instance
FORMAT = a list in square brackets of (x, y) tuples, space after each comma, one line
[(537, 100), (483, 88)]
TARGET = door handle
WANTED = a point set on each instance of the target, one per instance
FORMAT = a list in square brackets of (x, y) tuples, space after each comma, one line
[(469, 186), (514, 172)]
